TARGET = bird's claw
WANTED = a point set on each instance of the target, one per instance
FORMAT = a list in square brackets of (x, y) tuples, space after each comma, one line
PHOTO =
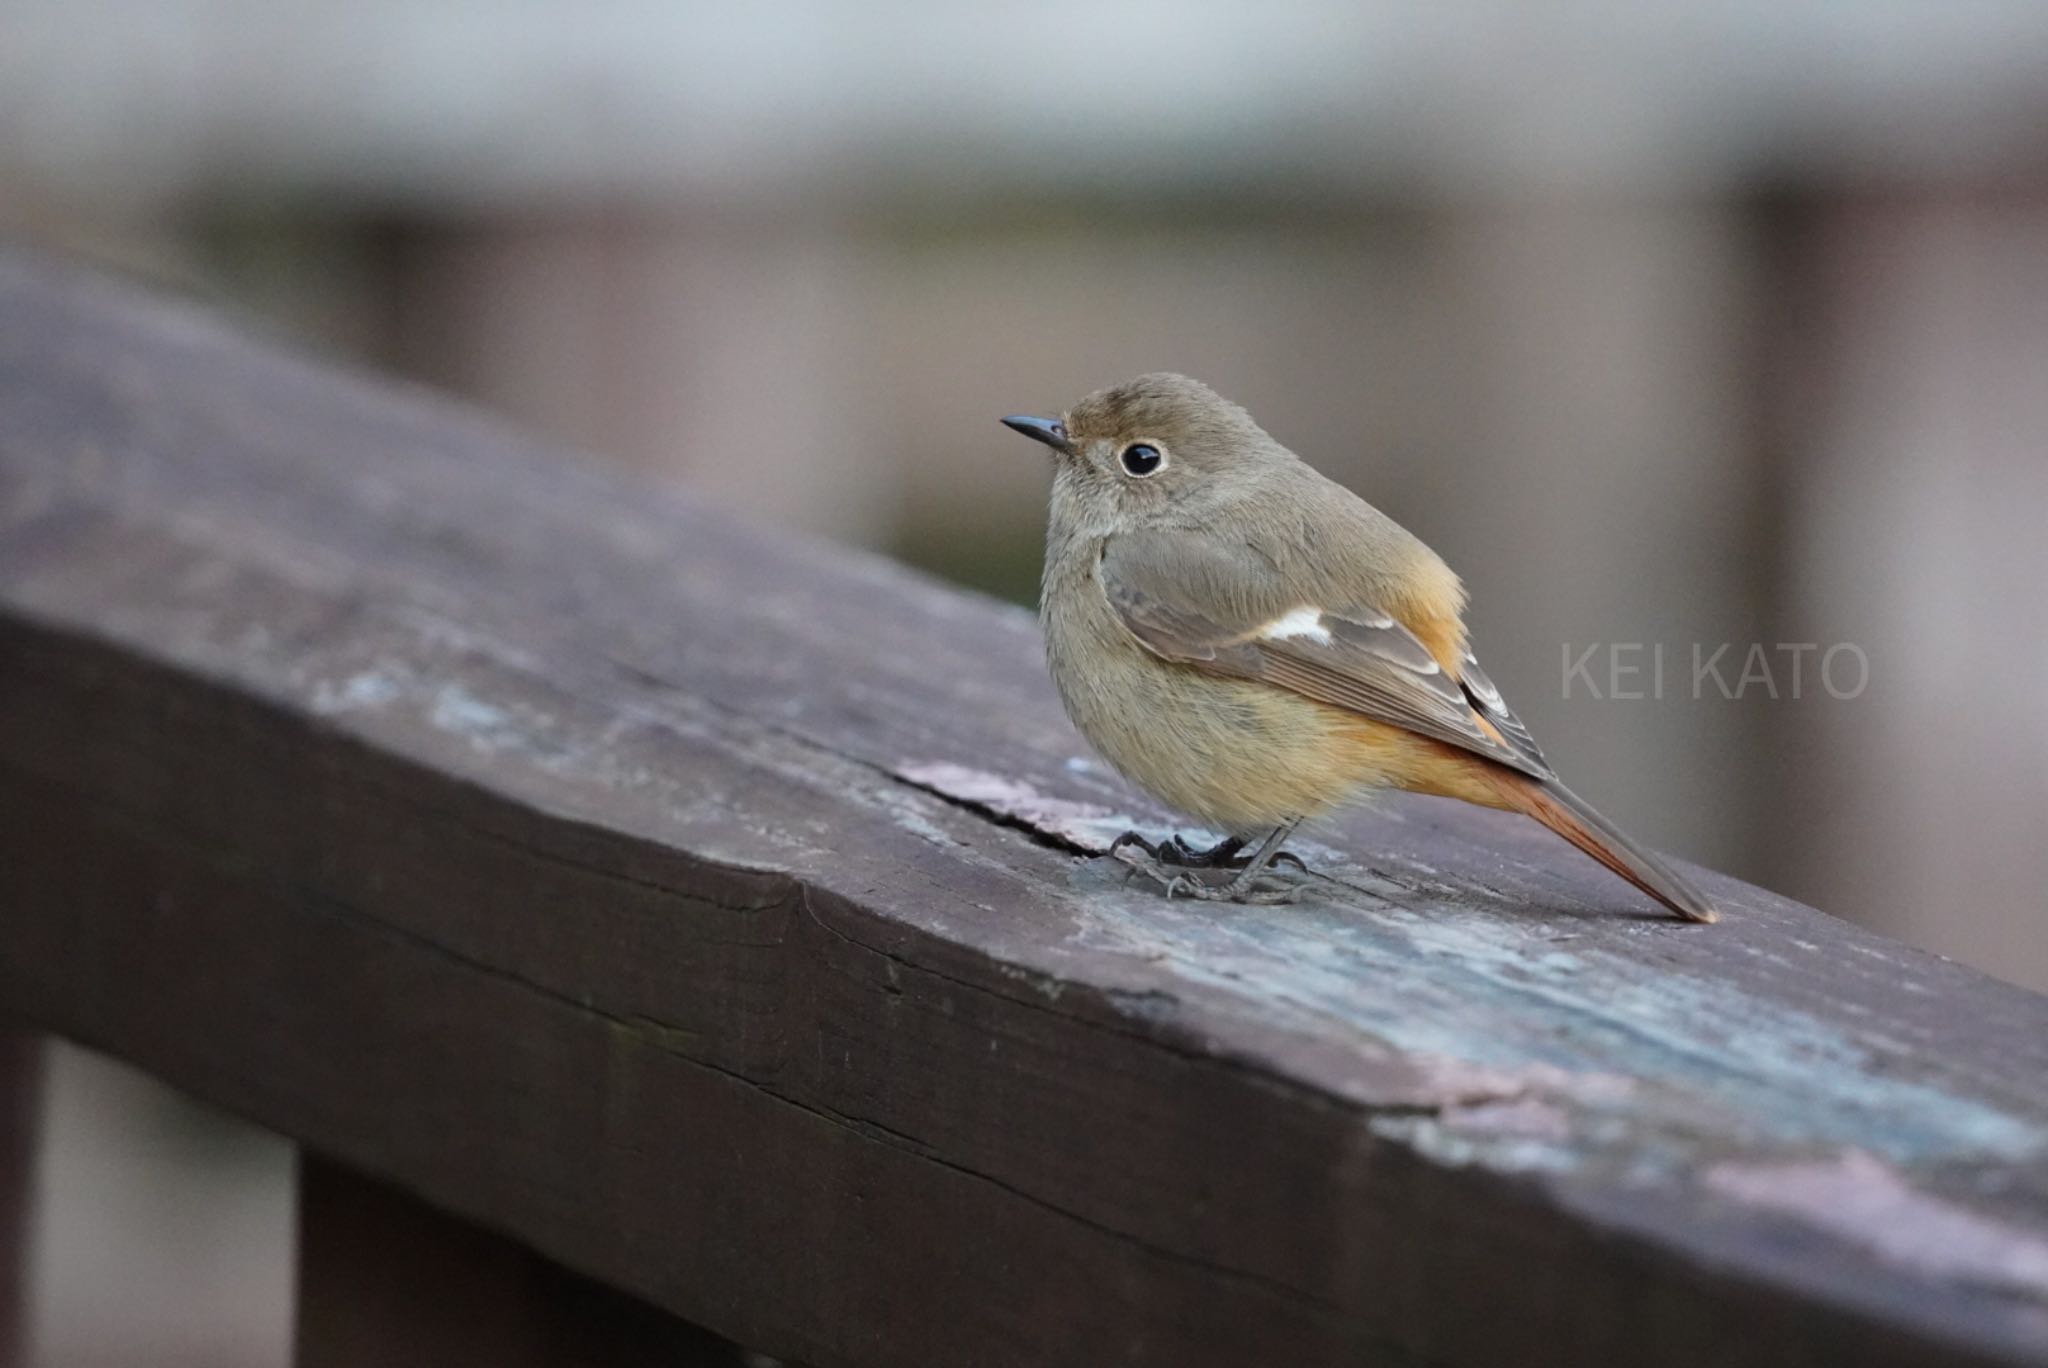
[(1173, 865), (1132, 840), (1261, 890)]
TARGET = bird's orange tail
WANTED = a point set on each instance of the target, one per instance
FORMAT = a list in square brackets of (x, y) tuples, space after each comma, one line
[(1571, 817)]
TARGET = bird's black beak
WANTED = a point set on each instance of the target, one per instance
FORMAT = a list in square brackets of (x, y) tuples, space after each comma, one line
[(1050, 431)]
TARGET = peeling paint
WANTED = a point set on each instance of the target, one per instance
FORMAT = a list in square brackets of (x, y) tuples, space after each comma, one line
[(1864, 1200), (456, 709), (392, 688), (1378, 975), (1530, 1121), (364, 689), (1522, 1046), (1046, 985), (1508, 1134), (1083, 825), (1526, 1117), (1446, 1144)]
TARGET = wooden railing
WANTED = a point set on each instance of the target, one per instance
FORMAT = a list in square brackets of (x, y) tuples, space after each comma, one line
[(645, 922)]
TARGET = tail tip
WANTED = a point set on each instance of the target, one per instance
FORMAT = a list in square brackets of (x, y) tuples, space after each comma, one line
[(1684, 897)]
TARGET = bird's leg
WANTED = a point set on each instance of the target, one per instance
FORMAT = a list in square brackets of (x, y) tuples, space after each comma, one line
[(1175, 850), (1244, 888), (1225, 854)]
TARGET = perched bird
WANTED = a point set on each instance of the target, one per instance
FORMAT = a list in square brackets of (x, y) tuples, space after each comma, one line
[(1255, 644)]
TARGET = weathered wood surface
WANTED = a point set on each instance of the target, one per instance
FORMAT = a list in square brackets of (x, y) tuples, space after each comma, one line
[(705, 911)]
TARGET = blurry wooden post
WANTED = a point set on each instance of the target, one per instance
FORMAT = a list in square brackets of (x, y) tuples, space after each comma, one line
[(386, 1279), (20, 1091), (1911, 409)]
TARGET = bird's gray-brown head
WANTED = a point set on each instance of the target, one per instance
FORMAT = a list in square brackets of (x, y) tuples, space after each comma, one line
[(1159, 447)]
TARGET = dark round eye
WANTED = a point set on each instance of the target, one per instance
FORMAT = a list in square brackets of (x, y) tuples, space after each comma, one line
[(1142, 458)]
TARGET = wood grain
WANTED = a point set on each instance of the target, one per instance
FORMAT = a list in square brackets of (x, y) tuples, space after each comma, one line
[(712, 913)]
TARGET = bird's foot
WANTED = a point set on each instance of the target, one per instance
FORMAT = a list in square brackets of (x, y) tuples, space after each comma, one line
[(1176, 850), (1218, 874), (1228, 853)]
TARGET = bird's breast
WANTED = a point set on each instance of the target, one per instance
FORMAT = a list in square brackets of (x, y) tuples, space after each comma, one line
[(1239, 755)]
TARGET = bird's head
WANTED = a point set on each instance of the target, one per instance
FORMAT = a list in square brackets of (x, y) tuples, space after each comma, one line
[(1154, 448)]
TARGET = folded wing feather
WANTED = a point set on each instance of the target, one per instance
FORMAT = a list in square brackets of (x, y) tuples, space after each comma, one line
[(1214, 608)]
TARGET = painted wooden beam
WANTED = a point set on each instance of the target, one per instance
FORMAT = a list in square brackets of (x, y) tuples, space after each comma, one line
[(720, 915)]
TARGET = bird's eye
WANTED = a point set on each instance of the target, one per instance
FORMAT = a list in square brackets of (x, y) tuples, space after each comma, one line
[(1141, 459)]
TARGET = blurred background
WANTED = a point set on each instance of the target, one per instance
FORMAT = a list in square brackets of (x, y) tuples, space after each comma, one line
[(1668, 326)]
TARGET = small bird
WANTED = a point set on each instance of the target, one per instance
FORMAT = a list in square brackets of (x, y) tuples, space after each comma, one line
[(1255, 644)]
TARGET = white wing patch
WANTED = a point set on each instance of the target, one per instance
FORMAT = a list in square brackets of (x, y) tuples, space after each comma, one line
[(1298, 622)]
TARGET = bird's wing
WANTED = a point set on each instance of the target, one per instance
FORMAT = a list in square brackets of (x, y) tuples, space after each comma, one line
[(1486, 700), (1223, 609)]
